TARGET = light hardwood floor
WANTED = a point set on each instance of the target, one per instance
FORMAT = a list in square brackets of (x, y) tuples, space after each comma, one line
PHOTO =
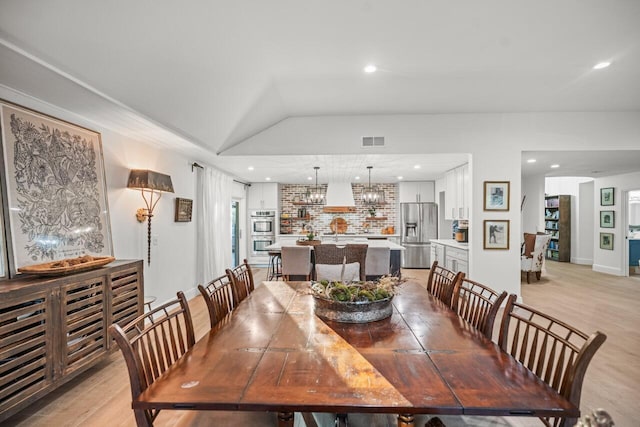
[(575, 294)]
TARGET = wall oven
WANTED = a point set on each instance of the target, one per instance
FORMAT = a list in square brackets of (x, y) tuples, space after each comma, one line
[(263, 223), (259, 243), (263, 234)]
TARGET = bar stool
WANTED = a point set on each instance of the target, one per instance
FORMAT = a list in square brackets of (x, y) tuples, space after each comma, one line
[(274, 269)]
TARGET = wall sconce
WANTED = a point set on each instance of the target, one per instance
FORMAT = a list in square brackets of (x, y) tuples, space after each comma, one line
[(151, 184)]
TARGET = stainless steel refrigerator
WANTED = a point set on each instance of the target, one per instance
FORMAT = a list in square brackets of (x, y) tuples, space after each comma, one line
[(419, 223)]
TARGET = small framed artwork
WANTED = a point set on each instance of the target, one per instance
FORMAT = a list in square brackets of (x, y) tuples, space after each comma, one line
[(496, 234), (606, 196), (496, 195), (184, 208), (606, 241), (607, 219)]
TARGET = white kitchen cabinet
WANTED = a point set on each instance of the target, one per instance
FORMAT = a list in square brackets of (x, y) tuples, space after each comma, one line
[(450, 195), (457, 193), (462, 194), (456, 259), (416, 191), (437, 253), (263, 195)]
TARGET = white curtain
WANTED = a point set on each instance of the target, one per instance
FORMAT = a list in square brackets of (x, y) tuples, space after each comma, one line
[(214, 223)]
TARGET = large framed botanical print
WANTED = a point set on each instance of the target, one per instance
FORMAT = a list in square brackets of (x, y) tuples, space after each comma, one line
[(55, 191)]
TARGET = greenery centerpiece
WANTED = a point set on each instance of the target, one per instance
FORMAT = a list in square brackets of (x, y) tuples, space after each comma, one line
[(355, 302)]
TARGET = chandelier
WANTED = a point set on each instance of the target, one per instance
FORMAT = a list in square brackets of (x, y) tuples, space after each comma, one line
[(315, 195), (372, 195)]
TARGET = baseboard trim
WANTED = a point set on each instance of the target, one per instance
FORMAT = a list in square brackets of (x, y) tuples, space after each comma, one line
[(582, 261), (607, 270)]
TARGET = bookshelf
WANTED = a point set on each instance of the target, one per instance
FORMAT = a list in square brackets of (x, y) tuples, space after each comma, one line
[(557, 222)]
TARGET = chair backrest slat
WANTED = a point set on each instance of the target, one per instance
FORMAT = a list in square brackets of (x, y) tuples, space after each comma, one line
[(442, 282), (218, 294), (242, 279), (556, 352), (152, 343), (477, 304)]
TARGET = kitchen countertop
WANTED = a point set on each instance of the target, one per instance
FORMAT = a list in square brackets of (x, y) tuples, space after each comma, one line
[(344, 236), (371, 243), (452, 243)]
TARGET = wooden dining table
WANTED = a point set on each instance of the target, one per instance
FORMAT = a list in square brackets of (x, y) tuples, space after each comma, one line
[(274, 354)]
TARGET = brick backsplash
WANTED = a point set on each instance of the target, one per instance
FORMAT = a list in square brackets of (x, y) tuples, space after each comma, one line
[(356, 221)]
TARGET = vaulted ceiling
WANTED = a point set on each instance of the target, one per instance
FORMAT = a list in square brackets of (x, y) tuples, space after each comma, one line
[(213, 73)]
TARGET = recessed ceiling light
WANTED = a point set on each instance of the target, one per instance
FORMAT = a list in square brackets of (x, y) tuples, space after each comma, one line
[(416, 167), (357, 177), (400, 177), (531, 161), (555, 166), (601, 65), (309, 178), (268, 178), (250, 168), (370, 69)]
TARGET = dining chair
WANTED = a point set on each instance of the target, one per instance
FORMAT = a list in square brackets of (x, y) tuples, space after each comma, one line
[(242, 279), (532, 259), (218, 295), (151, 344), (556, 352), (442, 282), (378, 263), (296, 261), (477, 304), (332, 254)]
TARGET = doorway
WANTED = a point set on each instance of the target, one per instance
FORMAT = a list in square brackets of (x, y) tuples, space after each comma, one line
[(632, 232), (235, 233)]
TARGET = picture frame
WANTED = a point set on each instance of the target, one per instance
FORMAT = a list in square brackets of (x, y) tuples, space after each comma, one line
[(496, 234), (607, 196), (607, 219), (184, 209), (606, 241), (56, 195), (496, 195)]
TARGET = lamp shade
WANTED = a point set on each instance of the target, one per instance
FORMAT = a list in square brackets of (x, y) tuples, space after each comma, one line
[(144, 179)]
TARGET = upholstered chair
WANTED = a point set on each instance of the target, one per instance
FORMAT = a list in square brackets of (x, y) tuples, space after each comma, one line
[(532, 261)]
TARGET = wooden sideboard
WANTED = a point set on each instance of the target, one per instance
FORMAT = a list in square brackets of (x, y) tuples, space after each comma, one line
[(54, 328)]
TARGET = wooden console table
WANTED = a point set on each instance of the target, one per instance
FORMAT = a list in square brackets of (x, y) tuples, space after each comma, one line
[(54, 328)]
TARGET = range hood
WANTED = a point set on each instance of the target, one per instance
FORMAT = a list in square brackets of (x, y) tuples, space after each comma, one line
[(339, 198)]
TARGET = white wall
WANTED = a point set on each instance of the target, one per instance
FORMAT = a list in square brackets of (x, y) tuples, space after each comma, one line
[(533, 209), (585, 225), (569, 185), (607, 261), (494, 141), (564, 185), (172, 265), (499, 269)]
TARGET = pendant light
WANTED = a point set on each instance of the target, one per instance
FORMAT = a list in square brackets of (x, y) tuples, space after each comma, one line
[(315, 195), (372, 195)]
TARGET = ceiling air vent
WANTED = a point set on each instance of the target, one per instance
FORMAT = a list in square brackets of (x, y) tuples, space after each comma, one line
[(372, 141)]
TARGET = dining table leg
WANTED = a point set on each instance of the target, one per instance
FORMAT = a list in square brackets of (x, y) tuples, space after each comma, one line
[(406, 420), (285, 419)]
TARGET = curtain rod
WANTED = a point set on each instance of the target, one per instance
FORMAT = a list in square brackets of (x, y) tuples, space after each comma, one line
[(197, 165)]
